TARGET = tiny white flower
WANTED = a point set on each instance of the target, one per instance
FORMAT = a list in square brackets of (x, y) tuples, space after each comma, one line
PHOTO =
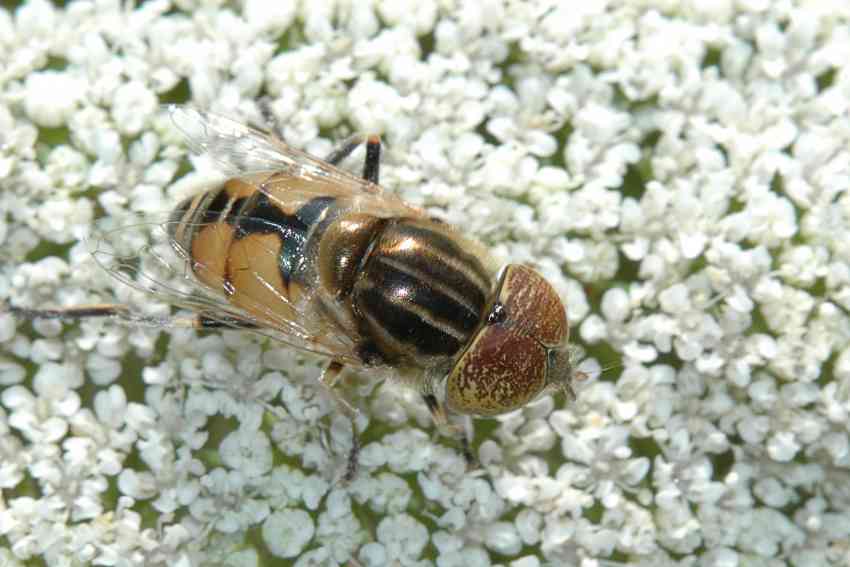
[(266, 17), (403, 536), (391, 494), (11, 373), (373, 554), (411, 450), (615, 305), (782, 446), (51, 97), (312, 491), (287, 531), (502, 537), (140, 486)]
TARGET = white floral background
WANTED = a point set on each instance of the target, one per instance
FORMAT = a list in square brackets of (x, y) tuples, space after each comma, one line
[(679, 170)]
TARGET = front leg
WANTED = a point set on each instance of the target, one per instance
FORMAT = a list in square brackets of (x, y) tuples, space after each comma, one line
[(446, 427)]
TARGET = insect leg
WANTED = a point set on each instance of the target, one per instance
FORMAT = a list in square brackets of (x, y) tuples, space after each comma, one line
[(67, 313), (264, 104), (344, 149), (441, 419), (372, 164), (202, 321), (329, 379), (373, 159), (199, 321)]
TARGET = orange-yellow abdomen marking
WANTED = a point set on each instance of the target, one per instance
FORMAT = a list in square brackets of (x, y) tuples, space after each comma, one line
[(256, 283), (209, 253)]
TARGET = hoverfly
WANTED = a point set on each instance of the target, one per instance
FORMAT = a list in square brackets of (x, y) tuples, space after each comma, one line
[(296, 248)]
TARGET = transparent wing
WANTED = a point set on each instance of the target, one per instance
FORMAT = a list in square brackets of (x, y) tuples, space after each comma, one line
[(278, 170), (290, 178), (241, 150), (162, 269)]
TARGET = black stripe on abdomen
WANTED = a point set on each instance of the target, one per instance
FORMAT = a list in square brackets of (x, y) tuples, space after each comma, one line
[(399, 328), (193, 213), (432, 251), (415, 298), (259, 215)]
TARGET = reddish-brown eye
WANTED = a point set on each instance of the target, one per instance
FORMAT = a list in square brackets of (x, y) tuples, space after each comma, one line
[(510, 360), (533, 306), (501, 371)]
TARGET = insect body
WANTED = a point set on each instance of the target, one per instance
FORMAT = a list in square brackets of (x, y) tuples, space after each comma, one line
[(329, 262), (372, 288)]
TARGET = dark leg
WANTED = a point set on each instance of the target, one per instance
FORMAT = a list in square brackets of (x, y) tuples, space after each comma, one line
[(200, 321), (372, 164), (203, 322), (67, 313), (373, 159), (344, 150), (438, 413)]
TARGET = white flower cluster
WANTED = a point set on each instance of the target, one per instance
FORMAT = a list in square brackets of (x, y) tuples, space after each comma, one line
[(680, 171)]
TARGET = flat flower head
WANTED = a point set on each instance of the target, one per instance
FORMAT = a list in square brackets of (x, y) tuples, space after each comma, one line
[(679, 176)]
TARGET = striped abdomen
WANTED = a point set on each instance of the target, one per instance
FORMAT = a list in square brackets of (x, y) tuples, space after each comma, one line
[(402, 290), (420, 296)]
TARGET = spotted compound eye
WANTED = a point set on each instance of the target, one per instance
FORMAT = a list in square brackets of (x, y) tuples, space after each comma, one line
[(501, 370), (507, 364), (533, 306)]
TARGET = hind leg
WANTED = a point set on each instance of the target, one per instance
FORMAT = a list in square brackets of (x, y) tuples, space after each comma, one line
[(330, 379)]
